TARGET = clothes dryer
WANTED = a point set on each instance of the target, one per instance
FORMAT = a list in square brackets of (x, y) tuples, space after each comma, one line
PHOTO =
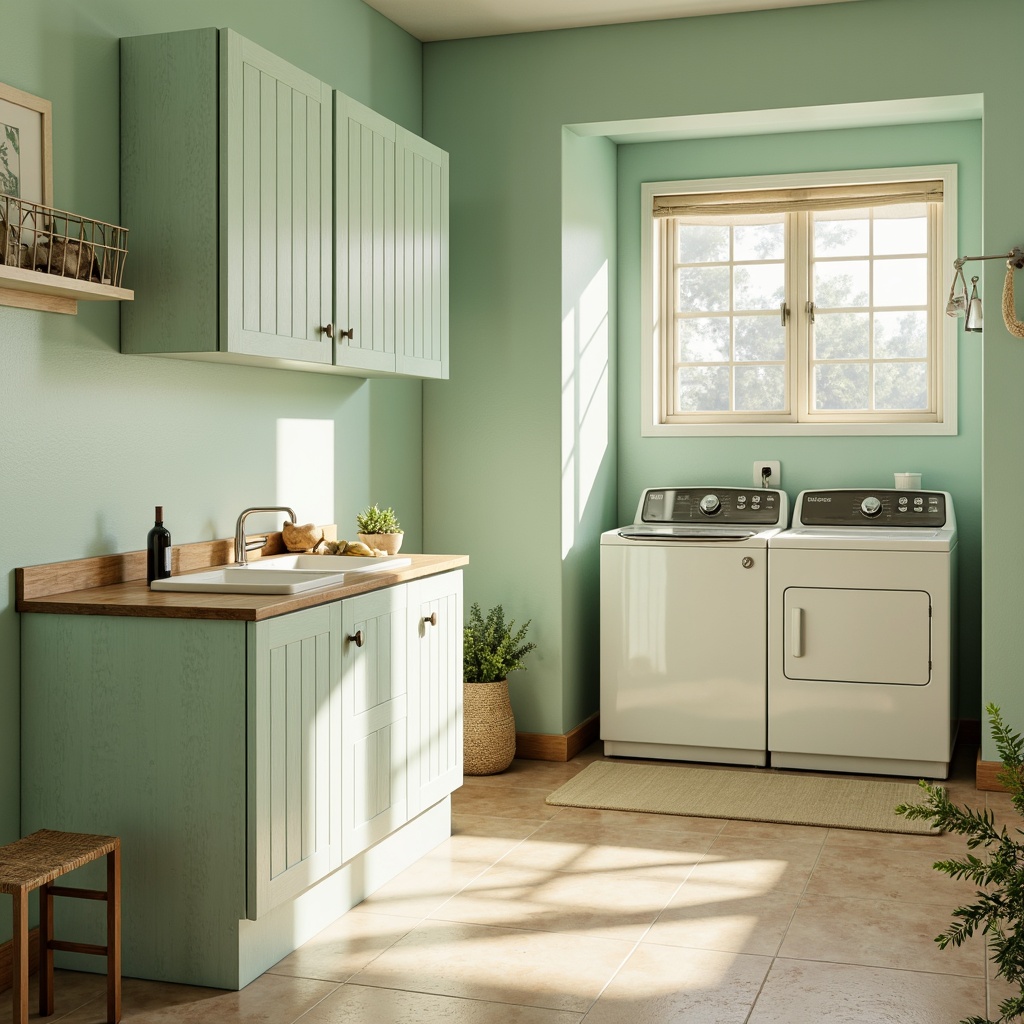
[(684, 593), (861, 633)]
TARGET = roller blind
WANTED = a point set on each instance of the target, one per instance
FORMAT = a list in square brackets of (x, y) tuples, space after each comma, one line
[(795, 200)]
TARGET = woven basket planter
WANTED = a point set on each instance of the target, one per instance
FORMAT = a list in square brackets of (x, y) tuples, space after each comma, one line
[(489, 728)]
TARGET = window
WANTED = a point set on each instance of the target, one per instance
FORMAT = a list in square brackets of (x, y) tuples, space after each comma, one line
[(800, 304)]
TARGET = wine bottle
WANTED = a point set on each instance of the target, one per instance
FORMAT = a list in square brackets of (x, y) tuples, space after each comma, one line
[(158, 549)]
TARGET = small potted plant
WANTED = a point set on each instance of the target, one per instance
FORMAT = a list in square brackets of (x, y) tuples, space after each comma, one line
[(379, 528), (491, 649)]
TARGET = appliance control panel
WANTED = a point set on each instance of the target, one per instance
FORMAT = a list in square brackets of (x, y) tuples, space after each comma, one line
[(873, 508), (725, 505)]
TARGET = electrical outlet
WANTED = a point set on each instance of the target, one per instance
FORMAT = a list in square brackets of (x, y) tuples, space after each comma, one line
[(774, 477)]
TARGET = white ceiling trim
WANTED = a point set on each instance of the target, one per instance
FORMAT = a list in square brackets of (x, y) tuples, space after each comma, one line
[(922, 110), (433, 20)]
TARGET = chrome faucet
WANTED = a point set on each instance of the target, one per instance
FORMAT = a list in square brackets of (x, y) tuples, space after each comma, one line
[(243, 546)]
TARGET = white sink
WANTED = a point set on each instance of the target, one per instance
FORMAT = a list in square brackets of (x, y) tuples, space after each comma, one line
[(329, 563), (284, 574)]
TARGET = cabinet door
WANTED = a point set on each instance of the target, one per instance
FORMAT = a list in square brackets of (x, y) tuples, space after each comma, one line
[(275, 206), (421, 217), (375, 713), (364, 237), (435, 689), (294, 743)]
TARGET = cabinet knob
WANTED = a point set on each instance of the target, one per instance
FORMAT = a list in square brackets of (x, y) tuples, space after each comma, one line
[(431, 618), (350, 334), (327, 330), (358, 638)]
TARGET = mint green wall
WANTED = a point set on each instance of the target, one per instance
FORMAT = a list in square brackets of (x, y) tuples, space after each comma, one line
[(92, 440), (589, 407), (493, 444), (947, 463)]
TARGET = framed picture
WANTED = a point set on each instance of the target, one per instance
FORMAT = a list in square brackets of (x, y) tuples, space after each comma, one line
[(26, 141)]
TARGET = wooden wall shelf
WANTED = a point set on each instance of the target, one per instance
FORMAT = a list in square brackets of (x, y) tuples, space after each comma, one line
[(30, 289)]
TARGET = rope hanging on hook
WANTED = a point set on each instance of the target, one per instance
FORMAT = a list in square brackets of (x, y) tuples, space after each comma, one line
[(1013, 325)]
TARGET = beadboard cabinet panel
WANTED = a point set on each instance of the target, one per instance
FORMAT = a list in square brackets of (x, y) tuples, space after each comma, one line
[(374, 718), (435, 688), (276, 223), (364, 232), (226, 177), (421, 214), (294, 729), (276, 205)]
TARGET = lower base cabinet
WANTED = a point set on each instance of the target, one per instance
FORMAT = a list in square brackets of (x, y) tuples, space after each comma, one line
[(258, 774)]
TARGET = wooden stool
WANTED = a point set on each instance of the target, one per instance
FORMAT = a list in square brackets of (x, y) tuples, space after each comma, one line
[(33, 863)]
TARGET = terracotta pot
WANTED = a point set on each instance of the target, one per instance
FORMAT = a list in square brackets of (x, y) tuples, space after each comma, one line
[(389, 542), (488, 728)]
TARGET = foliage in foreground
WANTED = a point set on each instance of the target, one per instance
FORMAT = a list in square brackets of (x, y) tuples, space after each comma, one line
[(999, 872)]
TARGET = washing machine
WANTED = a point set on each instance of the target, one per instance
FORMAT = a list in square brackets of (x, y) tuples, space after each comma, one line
[(684, 593), (861, 633)]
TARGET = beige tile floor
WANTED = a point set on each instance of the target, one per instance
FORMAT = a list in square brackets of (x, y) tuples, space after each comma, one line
[(532, 914)]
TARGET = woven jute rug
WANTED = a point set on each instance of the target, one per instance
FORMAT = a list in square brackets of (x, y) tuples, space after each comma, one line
[(750, 795)]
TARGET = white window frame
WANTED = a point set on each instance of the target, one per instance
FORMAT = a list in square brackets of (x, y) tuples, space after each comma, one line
[(945, 353)]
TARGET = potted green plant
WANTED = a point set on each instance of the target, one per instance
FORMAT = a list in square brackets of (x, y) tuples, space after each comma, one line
[(379, 528), (491, 649), (998, 910)]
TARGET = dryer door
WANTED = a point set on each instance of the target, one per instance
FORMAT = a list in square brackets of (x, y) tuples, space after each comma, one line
[(857, 636)]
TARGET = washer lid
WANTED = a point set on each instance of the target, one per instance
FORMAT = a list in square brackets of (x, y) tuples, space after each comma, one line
[(685, 533)]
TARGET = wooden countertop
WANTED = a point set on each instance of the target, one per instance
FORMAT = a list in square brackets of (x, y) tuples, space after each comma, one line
[(116, 585)]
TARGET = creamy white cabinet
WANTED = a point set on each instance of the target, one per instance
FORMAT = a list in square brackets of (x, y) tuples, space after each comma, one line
[(374, 718), (243, 763), (435, 688), (226, 154), (295, 754), (391, 246), (421, 224), (354, 728), (269, 229)]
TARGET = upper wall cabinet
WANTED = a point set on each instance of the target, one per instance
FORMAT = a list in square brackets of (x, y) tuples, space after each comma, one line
[(391, 235), (247, 203), (226, 173)]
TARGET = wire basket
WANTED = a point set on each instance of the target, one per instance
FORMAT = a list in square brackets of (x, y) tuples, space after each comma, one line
[(51, 241)]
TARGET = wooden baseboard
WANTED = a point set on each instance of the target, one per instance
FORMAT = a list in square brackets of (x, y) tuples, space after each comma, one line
[(986, 776), (7, 959), (539, 746)]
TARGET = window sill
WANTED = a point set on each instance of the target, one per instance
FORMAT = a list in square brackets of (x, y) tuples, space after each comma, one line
[(798, 429)]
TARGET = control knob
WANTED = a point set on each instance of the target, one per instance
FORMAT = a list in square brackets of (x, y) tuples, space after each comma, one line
[(710, 504), (871, 507)]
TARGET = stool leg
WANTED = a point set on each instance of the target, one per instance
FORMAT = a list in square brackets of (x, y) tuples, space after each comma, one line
[(114, 935), (21, 956), (45, 950)]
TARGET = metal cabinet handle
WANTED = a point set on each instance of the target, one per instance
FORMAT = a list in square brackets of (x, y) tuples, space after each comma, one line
[(796, 632), (350, 334), (358, 638), (327, 330), (431, 618)]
